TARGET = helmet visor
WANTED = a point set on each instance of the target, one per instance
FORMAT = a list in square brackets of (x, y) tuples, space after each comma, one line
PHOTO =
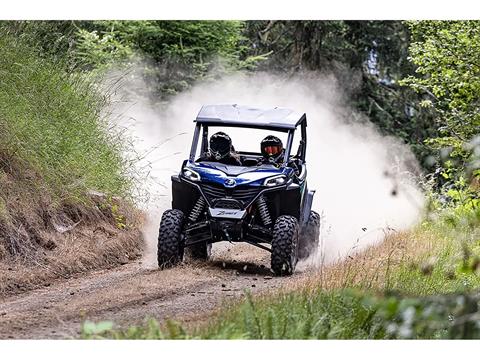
[(272, 150)]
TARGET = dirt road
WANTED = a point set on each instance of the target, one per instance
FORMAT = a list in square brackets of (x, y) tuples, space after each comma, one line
[(131, 293)]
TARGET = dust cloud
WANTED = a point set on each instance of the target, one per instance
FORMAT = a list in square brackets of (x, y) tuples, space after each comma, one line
[(365, 182)]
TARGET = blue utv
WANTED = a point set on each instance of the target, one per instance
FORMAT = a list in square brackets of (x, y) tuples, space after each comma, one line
[(256, 200)]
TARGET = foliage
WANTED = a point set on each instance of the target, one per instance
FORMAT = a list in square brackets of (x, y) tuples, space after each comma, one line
[(446, 55), (91, 329), (322, 45), (99, 51), (50, 120), (182, 52), (368, 58), (171, 55), (52, 39)]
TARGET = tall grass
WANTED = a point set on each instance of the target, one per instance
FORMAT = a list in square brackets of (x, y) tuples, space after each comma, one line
[(450, 263), (422, 294), (51, 121), (339, 314)]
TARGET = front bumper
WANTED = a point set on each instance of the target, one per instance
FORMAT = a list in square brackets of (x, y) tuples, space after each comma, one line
[(227, 212)]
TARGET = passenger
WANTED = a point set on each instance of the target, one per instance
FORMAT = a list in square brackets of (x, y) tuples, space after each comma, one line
[(222, 151), (272, 150)]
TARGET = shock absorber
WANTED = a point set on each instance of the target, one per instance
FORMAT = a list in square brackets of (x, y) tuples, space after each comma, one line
[(197, 209), (263, 210)]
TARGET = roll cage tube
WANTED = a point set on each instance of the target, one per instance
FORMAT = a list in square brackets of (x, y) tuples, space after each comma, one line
[(204, 145), (304, 140), (193, 149), (288, 147)]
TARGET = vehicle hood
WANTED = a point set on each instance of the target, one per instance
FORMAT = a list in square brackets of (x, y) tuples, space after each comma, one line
[(217, 173)]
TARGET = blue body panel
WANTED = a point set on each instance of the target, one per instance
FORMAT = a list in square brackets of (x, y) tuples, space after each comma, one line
[(232, 176)]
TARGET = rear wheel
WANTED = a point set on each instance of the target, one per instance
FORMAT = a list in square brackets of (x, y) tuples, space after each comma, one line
[(170, 239), (309, 236), (200, 251), (284, 245)]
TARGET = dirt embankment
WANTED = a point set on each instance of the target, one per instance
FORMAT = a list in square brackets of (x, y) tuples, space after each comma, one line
[(44, 237)]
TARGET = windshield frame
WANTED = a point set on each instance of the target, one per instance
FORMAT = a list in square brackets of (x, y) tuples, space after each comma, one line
[(201, 129)]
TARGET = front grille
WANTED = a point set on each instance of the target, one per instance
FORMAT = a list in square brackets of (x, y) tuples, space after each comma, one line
[(243, 194), (213, 192), (227, 204)]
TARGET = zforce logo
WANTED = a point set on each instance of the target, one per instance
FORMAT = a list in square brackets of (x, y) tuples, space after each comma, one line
[(225, 212)]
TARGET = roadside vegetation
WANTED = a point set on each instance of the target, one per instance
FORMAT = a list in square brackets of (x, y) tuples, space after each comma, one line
[(418, 81), (51, 120), (420, 284), (62, 172)]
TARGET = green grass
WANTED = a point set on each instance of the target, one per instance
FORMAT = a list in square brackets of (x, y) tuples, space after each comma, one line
[(290, 316), (51, 122), (340, 314), (451, 266)]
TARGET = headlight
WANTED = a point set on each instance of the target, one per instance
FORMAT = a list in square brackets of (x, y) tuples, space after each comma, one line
[(190, 174), (275, 181)]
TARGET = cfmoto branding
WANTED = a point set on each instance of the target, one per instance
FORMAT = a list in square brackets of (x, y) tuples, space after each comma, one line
[(230, 182)]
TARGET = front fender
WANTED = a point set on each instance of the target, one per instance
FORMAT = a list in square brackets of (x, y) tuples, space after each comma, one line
[(307, 206)]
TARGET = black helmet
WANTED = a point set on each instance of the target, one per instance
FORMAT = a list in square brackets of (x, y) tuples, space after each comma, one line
[(220, 145), (271, 147)]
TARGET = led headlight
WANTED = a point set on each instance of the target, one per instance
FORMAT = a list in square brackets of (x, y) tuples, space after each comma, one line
[(190, 174), (275, 181)]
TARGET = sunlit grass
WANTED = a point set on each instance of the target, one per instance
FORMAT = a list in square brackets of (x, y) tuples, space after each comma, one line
[(50, 121)]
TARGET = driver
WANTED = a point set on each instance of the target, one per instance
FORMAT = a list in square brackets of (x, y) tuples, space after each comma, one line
[(272, 150), (222, 151)]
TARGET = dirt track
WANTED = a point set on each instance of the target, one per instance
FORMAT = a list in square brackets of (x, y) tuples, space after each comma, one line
[(131, 293)]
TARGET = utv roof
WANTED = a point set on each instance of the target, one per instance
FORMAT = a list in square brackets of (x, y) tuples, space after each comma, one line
[(280, 119)]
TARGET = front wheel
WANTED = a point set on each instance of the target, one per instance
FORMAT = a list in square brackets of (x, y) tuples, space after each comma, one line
[(170, 239), (284, 245)]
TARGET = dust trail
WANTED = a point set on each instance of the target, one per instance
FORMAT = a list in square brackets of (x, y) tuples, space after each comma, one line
[(363, 180)]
